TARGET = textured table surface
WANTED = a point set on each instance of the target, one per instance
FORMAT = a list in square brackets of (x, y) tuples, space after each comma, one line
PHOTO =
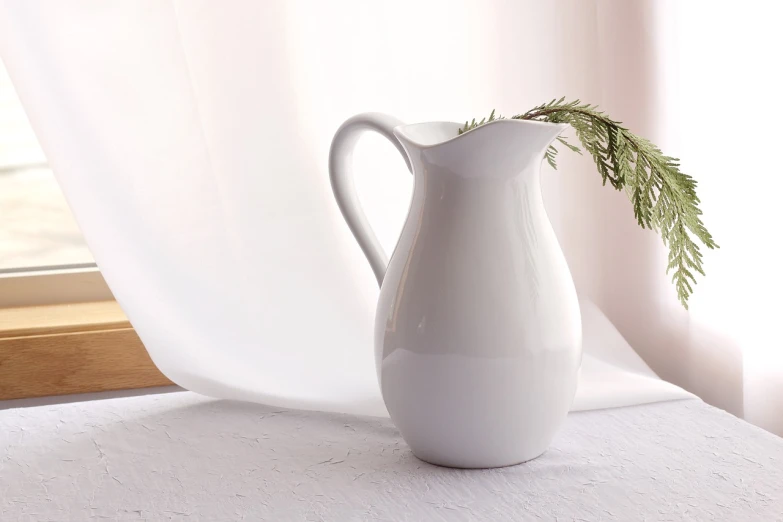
[(180, 456)]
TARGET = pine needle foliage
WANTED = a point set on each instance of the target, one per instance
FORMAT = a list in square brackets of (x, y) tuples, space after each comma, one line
[(664, 198)]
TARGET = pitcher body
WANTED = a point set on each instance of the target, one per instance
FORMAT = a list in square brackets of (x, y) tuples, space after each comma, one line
[(477, 328)]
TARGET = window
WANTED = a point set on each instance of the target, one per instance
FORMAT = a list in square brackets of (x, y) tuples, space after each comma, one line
[(43, 257), (61, 331)]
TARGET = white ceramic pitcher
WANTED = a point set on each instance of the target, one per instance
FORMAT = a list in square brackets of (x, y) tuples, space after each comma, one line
[(477, 330)]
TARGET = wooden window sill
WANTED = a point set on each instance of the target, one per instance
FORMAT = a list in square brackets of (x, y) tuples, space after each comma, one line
[(71, 348)]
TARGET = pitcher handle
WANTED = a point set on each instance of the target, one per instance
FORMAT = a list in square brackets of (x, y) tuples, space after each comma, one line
[(341, 177)]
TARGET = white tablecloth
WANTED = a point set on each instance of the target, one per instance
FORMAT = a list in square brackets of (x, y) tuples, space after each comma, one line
[(181, 456)]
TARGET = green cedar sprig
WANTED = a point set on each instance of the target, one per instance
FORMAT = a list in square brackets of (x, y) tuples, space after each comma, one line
[(664, 198)]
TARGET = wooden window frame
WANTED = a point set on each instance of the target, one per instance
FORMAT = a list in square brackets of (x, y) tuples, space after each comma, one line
[(61, 333), (52, 285)]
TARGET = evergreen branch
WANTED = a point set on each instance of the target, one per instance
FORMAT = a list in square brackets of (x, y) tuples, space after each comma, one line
[(663, 198)]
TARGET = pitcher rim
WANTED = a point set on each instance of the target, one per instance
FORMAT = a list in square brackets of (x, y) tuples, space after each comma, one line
[(398, 130)]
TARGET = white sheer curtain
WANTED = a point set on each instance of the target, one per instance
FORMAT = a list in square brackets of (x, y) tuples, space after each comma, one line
[(701, 79), (724, 118), (191, 141)]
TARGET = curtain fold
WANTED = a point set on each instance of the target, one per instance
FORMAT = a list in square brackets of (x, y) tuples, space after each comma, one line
[(191, 140)]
